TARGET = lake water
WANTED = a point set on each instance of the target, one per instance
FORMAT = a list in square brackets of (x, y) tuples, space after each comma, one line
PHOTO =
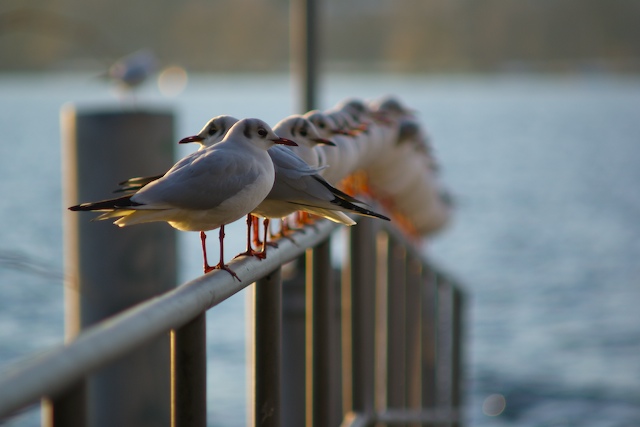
[(546, 174)]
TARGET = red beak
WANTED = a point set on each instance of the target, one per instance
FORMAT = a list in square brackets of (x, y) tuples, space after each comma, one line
[(194, 138), (285, 141), (344, 132)]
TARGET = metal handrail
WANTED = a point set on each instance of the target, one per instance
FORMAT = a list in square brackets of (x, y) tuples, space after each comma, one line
[(26, 381), (55, 373)]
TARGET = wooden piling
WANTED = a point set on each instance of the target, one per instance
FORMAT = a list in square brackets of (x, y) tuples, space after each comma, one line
[(108, 269)]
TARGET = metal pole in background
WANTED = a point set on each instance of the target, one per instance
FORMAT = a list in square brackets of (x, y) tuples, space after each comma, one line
[(109, 269), (305, 53)]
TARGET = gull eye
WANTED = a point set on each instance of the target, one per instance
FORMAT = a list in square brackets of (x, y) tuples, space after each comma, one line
[(212, 130), (262, 132), (303, 132)]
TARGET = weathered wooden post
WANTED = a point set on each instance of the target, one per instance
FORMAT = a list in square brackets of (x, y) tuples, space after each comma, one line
[(109, 269)]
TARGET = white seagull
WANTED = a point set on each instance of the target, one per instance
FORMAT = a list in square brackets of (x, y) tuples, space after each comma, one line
[(134, 69), (205, 190)]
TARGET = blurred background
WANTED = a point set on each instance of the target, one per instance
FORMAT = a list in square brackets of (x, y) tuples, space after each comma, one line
[(533, 107)]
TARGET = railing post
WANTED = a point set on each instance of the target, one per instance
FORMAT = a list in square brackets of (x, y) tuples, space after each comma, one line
[(189, 374), (358, 296), (266, 354), (293, 344), (68, 410), (429, 311), (447, 361), (414, 333), (319, 350), (111, 269), (458, 356), (396, 326)]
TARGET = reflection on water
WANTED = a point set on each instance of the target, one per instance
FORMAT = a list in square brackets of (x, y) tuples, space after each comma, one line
[(546, 238)]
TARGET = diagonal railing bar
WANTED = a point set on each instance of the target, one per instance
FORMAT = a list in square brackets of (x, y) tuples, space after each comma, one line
[(53, 372)]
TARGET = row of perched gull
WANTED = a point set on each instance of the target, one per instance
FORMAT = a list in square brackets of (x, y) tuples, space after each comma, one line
[(314, 164)]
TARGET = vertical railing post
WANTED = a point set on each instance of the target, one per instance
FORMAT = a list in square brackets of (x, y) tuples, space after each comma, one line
[(319, 313), (457, 352), (413, 318), (189, 374), (445, 361), (381, 325), (396, 326), (68, 410), (110, 269), (293, 344), (359, 305), (267, 351), (429, 310)]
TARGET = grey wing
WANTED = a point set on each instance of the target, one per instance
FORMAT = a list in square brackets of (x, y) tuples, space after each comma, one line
[(204, 183), (289, 164), (301, 189)]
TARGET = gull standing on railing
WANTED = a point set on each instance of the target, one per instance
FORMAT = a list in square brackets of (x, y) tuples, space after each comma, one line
[(206, 189)]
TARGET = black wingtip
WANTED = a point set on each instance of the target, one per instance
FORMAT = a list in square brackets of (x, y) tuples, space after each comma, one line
[(359, 209), (110, 204)]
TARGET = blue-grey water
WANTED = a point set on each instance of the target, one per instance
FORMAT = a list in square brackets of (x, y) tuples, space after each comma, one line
[(546, 238)]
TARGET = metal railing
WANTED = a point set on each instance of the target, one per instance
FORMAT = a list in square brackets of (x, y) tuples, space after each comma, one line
[(399, 330)]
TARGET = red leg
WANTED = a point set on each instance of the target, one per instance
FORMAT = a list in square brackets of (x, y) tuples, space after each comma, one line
[(263, 254), (286, 229), (249, 251), (256, 232), (221, 265), (203, 239)]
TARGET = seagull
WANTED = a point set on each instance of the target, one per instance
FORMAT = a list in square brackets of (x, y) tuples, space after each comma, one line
[(206, 189), (298, 187), (328, 156), (132, 70)]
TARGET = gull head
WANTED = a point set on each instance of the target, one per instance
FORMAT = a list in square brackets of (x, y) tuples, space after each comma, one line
[(355, 107), (212, 133), (323, 123), (258, 133), (300, 130), (390, 108)]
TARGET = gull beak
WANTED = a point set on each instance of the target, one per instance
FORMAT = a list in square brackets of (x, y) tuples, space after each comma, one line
[(347, 132), (285, 141), (324, 141), (341, 132), (194, 138)]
